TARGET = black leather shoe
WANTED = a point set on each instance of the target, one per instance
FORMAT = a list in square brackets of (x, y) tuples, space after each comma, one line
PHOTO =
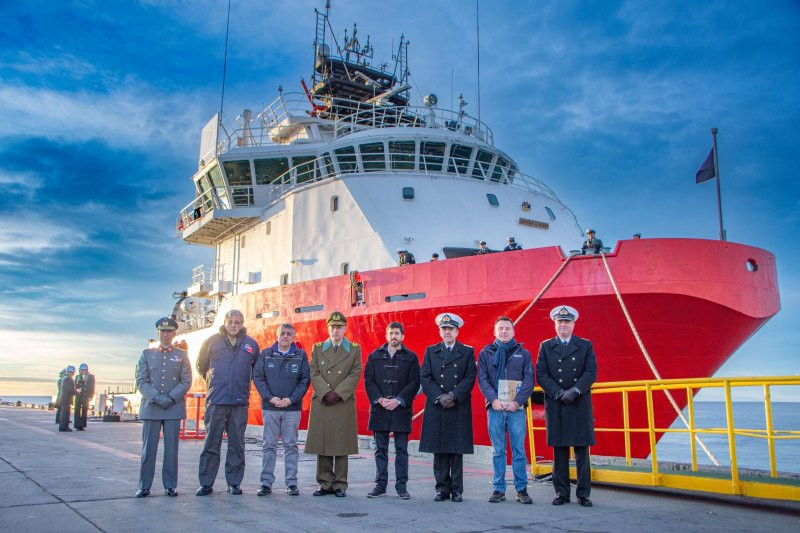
[(234, 489), (497, 497), (321, 492), (403, 495), (377, 492), (585, 502), (292, 490), (441, 496), (457, 498), (142, 493), (171, 492), (340, 493), (264, 490), (522, 497), (560, 500), (205, 490)]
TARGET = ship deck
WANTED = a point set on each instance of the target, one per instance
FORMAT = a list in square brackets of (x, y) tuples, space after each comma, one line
[(85, 482)]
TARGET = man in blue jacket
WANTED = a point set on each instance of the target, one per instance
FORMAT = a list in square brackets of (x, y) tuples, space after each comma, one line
[(226, 363), (282, 377), (505, 377)]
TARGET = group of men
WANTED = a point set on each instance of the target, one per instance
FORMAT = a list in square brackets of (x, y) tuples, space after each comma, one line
[(565, 369), (78, 389), (511, 245)]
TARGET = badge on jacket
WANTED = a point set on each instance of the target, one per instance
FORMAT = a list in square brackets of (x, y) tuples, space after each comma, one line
[(248, 348)]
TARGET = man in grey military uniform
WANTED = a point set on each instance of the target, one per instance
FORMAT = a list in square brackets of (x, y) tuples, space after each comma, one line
[(163, 376), (566, 369)]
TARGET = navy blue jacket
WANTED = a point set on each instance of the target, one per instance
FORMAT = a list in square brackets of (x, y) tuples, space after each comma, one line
[(519, 367), (227, 368), (284, 376)]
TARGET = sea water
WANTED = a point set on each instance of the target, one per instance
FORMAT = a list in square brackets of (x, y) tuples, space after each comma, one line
[(750, 452), (35, 400)]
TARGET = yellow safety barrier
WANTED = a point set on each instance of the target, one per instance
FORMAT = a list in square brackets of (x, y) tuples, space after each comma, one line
[(772, 487)]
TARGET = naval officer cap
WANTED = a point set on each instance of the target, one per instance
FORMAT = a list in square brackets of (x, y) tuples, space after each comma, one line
[(564, 312), (449, 320), (590, 231), (337, 319), (166, 324)]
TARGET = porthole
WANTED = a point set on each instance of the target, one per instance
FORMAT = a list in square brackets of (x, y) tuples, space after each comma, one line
[(284, 279), (751, 265), (334, 203), (493, 201), (550, 213), (408, 193), (269, 227), (344, 268)]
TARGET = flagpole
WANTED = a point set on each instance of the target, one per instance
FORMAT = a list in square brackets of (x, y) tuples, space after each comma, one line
[(722, 236)]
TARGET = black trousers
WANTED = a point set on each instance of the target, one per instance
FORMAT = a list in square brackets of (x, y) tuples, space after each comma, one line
[(64, 412), (448, 469), (400, 459), (81, 408), (231, 419), (561, 471)]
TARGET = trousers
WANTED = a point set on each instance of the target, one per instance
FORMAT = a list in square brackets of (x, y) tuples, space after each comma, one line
[(231, 419), (81, 408), (151, 430), (400, 459), (332, 472), (448, 469), (280, 425), (561, 471)]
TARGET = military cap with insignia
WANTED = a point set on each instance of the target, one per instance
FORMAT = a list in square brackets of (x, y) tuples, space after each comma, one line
[(564, 312), (337, 319), (590, 231), (166, 324), (449, 320)]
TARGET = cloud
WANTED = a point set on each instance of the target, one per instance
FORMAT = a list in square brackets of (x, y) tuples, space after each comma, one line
[(32, 234)]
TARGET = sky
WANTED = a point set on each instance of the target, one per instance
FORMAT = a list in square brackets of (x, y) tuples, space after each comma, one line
[(610, 103)]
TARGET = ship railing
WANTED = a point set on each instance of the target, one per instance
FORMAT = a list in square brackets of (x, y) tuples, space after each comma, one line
[(202, 274), (727, 479), (347, 116)]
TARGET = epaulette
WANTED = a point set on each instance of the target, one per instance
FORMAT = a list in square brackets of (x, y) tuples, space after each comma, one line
[(353, 344), (318, 343)]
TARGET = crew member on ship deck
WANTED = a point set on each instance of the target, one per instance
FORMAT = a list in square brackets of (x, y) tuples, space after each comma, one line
[(483, 249), (591, 244), (512, 245), (566, 369), (406, 257)]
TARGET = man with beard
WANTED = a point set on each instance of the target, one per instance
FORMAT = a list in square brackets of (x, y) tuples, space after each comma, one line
[(391, 381), (226, 362), (447, 376), (566, 369), (84, 392)]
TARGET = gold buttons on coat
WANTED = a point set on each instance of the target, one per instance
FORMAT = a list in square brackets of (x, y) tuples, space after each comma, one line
[(559, 380), (573, 358)]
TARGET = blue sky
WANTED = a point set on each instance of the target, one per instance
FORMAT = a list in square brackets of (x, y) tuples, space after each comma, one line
[(610, 103)]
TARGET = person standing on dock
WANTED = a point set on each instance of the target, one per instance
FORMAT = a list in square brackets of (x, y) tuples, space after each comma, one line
[(226, 362), (67, 391), (505, 377), (163, 377), (61, 375), (281, 376), (566, 369), (447, 376), (391, 381), (332, 430), (84, 392)]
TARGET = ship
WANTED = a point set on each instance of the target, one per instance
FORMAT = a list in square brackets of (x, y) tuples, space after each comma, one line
[(309, 203)]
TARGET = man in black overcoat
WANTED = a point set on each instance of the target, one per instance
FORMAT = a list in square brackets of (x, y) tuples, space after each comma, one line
[(566, 369), (447, 375), (65, 399), (391, 380)]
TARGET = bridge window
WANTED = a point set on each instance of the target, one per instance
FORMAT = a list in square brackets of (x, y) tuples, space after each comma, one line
[(401, 154), (459, 158), (240, 180), (327, 162), (334, 203), (482, 164), (492, 200), (432, 156), (499, 170), (304, 168), (372, 157), (269, 169), (346, 157), (550, 213), (219, 184), (408, 193)]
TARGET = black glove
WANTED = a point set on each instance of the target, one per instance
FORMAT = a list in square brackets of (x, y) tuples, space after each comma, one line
[(448, 400), (331, 398), (570, 395), (559, 394), (162, 400)]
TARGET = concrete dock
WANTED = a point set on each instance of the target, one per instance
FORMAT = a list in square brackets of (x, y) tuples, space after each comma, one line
[(85, 481)]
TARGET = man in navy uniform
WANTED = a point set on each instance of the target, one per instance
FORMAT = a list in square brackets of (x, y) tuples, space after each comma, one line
[(512, 245), (163, 376), (61, 375), (84, 392), (67, 392), (483, 249), (591, 244), (566, 369), (332, 426), (391, 381), (226, 362), (447, 376), (281, 376), (505, 377)]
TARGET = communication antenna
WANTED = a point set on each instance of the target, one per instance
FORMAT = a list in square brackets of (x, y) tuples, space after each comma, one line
[(224, 73), (478, 33)]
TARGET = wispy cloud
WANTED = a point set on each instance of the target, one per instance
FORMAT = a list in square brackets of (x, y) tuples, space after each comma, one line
[(31, 234)]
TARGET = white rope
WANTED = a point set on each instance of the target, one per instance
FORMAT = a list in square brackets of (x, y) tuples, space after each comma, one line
[(544, 289), (650, 361)]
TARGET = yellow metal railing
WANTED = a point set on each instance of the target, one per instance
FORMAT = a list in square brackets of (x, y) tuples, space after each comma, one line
[(773, 487)]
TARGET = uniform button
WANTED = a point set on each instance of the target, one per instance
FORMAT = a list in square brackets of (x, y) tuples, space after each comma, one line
[(340, 371), (455, 377), (574, 369), (441, 375), (442, 386), (329, 371), (559, 370), (574, 379), (573, 358), (559, 380)]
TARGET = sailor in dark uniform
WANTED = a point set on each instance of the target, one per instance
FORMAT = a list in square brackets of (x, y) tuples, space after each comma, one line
[(84, 392), (566, 369), (591, 244), (163, 376), (67, 392), (447, 376), (483, 249), (61, 375), (406, 257), (512, 245)]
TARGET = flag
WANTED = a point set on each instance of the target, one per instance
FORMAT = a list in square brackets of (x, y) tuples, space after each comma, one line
[(706, 170)]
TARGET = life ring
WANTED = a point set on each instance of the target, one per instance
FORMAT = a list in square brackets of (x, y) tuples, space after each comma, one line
[(355, 280)]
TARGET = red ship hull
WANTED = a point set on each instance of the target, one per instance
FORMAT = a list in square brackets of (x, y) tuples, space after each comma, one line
[(693, 303)]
